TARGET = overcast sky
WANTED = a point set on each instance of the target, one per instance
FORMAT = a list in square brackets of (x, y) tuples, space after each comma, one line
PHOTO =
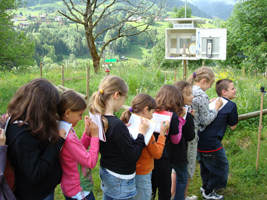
[(226, 1)]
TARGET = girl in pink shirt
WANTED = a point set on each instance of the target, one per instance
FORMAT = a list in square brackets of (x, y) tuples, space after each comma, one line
[(76, 162)]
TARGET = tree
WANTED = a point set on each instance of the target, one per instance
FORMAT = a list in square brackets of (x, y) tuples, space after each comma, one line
[(15, 48), (180, 13), (96, 13), (247, 34)]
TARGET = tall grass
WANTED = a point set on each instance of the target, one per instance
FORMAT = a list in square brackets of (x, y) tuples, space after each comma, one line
[(241, 145)]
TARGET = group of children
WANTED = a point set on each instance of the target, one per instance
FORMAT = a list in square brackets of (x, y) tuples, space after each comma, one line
[(129, 169)]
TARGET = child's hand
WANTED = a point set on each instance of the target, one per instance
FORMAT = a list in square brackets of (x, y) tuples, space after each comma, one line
[(193, 112), (2, 137), (164, 125), (86, 125), (62, 133), (143, 126), (129, 124), (211, 100), (93, 128), (218, 104)]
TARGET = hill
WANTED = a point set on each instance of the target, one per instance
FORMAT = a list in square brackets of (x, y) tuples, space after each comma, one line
[(215, 8)]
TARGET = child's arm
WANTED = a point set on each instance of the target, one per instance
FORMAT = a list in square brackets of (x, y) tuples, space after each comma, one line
[(189, 128), (205, 115), (79, 152), (155, 148), (90, 130)]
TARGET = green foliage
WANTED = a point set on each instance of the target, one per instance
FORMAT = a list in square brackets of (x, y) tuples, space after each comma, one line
[(247, 35), (180, 13), (15, 48)]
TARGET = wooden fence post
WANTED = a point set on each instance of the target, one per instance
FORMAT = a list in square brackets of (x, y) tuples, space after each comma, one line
[(41, 73), (266, 73), (62, 75), (185, 71), (203, 63), (175, 75), (87, 83)]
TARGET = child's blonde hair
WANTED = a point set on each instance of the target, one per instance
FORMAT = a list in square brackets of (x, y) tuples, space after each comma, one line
[(108, 86), (201, 73), (70, 99), (138, 104)]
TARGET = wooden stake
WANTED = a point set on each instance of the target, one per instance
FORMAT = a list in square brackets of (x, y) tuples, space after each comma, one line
[(184, 71), (259, 136), (41, 73), (175, 75), (62, 75), (266, 73)]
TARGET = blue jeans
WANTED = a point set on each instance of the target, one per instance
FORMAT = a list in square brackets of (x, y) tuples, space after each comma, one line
[(214, 168), (143, 186), (181, 181), (88, 197), (116, 188), (50, 196)]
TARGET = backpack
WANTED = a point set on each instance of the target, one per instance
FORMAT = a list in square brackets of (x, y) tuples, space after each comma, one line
[(9, 172)]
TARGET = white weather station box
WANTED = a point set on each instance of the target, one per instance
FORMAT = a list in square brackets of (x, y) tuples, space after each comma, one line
[(187, 42)]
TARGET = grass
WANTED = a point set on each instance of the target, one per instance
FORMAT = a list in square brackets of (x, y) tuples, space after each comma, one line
[(241, 145)]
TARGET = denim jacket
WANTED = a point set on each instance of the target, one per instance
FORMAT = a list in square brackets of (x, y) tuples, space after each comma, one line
[(5, 191)]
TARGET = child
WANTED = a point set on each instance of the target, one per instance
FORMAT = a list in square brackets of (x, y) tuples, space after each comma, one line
[(188, 134), (202, 78), (144, 106), (120, 152), (34, 141), (169, 98), (5, 191), (214, 172), (76, 162)]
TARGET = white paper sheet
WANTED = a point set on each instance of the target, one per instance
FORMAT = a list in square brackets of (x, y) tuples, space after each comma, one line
[(212, 104), (134, 127), (96, 118)]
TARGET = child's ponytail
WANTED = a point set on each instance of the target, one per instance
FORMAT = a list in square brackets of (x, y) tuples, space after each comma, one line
[(201, 73), (138, 104), (109, 86)]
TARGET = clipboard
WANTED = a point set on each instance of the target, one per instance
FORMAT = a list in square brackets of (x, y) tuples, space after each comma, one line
[(161, 116)]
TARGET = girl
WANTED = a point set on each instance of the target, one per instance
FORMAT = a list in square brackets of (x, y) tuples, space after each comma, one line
[(202, 78), (144, 106), (169, 98), (120, 152), (34, 141), (76, 162), (179, 176)]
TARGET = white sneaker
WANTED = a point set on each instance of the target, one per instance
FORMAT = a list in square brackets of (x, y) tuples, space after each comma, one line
[(213, 196), (191, 198), (202, 190)]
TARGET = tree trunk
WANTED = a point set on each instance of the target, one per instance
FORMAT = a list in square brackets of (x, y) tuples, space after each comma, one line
[(92, 48)]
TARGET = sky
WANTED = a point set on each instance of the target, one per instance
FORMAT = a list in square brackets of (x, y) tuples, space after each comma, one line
[(226, 1)]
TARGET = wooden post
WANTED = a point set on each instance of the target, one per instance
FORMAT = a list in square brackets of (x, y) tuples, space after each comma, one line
[(165, 77), (266, 73), (175, 76), (41, 73), (184, 71), (87, 83), (259, 136), (203, 63), (62, 75)]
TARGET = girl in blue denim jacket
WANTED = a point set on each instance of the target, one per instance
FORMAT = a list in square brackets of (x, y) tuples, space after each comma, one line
[(120, 152)]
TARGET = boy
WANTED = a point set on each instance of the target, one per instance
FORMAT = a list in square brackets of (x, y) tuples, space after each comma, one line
[(214, 165)]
